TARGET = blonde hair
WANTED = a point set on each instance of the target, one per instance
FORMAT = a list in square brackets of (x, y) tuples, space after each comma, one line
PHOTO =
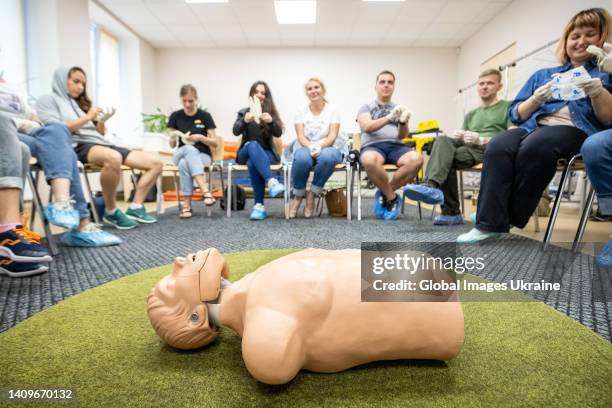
[(318, 81), (594, 17), (491, 71)]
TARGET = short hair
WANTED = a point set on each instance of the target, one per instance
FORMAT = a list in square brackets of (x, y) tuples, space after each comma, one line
[(385, 72), (594, 17), (188, 89), (491, 71)]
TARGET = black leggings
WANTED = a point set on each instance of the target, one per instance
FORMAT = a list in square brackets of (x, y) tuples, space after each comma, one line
[(517, 167)]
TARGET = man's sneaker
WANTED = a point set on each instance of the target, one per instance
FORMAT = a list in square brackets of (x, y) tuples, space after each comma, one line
[(16, 269), (426, 194), (448, 220), (140, 215), (62, 214), (90, 236), (379, 201), (475, 236), (119, 220), (258, 213), (22, 245), (392, 209), (604, 258), (275, 188)]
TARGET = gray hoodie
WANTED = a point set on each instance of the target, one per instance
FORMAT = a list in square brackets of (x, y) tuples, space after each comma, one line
[(59, 107)]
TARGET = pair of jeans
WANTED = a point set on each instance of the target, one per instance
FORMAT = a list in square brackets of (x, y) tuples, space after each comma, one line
[(190, 162), (323, 166), (518, 165), (597, 156), (51, 145), (258, 160), (14, 156), (447, 156)]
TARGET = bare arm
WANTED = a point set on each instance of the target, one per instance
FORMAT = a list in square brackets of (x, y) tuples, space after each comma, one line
[(334, 129), (527, 108), (602, 106), (299, 130), (172, 141), (369, 125)]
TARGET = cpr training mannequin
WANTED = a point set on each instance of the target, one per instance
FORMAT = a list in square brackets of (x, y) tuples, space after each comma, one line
[(303, 310)]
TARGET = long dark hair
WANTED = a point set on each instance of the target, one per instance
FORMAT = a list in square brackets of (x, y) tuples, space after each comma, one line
[(83, 100), (268, 104)]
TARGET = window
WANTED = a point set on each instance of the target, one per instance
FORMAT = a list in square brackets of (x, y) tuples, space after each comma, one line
[(105, 82)]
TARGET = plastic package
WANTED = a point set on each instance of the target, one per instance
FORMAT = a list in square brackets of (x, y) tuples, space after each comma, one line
[(564, 85)]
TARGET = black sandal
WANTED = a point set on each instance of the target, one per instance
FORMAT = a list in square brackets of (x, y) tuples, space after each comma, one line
[(185, 213), (208, 199)]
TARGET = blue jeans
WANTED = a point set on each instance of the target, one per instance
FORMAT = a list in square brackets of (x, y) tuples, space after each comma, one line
[(51, 145), (323, 168), (597, 154), (258, 160), (14, 156), (191, 163)]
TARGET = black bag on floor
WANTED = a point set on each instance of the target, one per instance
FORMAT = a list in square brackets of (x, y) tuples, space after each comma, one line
[(151, 195), (238, 198)]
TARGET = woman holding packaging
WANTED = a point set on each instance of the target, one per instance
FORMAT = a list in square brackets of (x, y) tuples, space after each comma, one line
[(519, 163), (317, 125)]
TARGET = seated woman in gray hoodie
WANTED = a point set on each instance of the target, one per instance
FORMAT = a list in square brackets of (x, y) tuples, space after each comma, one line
[(69, 104)]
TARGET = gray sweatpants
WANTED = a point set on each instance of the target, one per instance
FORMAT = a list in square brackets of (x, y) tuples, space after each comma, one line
[(14, 156)]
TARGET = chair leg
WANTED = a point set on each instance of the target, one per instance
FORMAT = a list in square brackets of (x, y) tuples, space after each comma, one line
[(556, 205), (34, 206), (584, 218), (349, 192), (228, 201), (39, 209), (536, 221), (287, 193), (208, 169), (461, 193), (94, 211), (159, 204), (358, 192)]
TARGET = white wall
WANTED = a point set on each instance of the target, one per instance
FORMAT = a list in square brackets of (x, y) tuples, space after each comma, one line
[(57, 33), (426, 80), (531, 24), (12, 43)]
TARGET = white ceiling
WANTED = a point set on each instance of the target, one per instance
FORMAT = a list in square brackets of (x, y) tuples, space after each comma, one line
[(352, 23)]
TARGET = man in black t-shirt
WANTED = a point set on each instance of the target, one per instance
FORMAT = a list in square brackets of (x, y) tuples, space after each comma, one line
[(197, 136)]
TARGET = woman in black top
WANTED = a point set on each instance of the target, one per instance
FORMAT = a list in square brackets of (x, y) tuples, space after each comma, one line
[(195, 136), (257, 146)]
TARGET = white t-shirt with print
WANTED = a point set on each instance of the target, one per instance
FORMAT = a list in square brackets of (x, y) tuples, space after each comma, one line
[(316, 128)]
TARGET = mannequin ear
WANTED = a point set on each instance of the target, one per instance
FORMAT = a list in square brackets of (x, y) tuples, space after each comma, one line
[(210, 275)]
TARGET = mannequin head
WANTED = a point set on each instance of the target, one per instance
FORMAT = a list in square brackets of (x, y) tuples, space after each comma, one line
[(176, 305)]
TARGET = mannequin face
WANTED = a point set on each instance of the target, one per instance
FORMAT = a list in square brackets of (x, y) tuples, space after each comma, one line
[(175, 309)]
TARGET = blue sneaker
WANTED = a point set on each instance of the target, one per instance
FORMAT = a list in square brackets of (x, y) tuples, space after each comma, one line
[(275, 188), (90, 236), (604, 258), (258, 213), (448, 220), (379, 210), (22, 245), (392, 209), (62, 214), (16, 269), (426, 194)]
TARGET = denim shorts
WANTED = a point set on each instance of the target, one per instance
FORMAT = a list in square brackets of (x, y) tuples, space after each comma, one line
[(82, 150), (390, 151)]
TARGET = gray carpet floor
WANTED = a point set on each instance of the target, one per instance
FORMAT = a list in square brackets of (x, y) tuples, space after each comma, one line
[(585, 294)]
